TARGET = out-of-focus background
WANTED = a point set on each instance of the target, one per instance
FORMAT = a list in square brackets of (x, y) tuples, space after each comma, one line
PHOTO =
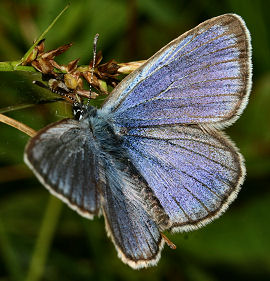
[(42, 239)]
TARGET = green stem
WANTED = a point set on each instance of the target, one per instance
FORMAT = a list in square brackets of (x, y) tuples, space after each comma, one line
[(13, 66), (42, 36), (44, 240), (8, 255)]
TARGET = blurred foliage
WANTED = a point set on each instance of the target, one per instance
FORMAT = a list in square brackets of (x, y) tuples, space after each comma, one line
[(39, 240)]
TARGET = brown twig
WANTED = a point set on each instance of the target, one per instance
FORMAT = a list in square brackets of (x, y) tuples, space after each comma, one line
[(168, 241), (18, 125)]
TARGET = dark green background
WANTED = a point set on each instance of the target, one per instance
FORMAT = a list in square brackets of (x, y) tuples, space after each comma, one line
[(234, 247)]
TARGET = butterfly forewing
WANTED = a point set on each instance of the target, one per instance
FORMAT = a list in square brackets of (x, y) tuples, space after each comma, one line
[(203, 76), (63, 158)]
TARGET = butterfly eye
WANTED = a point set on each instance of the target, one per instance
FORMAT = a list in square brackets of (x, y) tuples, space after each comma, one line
[(78, 111), (78, 114)]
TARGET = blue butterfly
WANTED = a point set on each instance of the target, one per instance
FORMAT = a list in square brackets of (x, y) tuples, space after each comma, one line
[(153, 157)]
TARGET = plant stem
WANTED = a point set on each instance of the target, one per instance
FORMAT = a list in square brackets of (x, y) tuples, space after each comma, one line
[(13, 66), (18, 125), (44, 240)]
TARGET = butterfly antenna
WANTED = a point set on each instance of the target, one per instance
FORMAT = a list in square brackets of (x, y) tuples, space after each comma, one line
[(93, 66)]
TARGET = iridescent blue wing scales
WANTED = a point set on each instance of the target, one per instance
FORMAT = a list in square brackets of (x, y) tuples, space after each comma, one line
[(195, 173), (204, 76), (132, 214), (168, 112), (62, 156)]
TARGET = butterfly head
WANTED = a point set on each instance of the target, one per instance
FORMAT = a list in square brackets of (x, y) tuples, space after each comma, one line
[(79, 110)]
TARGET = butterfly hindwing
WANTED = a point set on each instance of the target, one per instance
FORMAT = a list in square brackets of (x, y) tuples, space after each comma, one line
[(129, 215), (63, 158), (195, 173), (204, 76)]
